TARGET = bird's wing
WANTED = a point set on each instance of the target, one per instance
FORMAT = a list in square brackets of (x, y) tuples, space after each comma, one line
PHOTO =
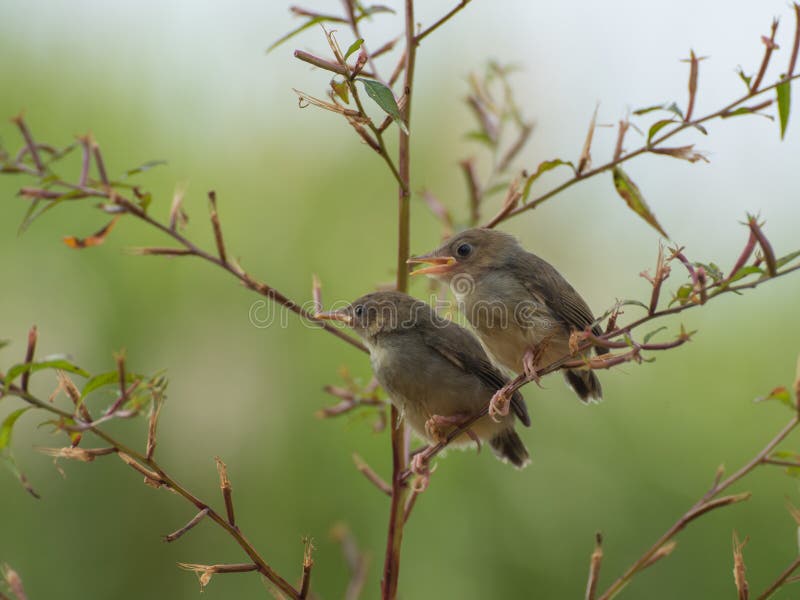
[(463, 351), (559, 295)]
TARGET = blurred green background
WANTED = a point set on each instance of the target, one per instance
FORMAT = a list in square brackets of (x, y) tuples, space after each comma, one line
[(189, 82)]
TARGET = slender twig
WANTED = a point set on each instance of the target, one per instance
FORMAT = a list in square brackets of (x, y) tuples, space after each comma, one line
[(29, 351), (782, 579), (425, 33), (594, 567), (531, 204), (708, 502), (154, 470), (195, 520)]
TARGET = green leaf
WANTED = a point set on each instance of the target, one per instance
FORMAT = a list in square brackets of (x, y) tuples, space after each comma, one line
[(648, 109), (745, 78), (8, 426), (4, 343), (543, 167), (57, 363), (683, 295), (103, 379), (144, 167), (675, 109), (744, 272), (784, 260), (480, 136), (294, 32), (784, 102), (781, 394), (634, 199), (658, 126), (384, 98), (353, 48), (650, 335)]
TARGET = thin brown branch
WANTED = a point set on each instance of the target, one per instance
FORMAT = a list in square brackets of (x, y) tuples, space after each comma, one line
[(795, 42), (212, 206), (594, 567), (683, 126), (474, 187), (151, 469), (708, 502), (394, 537), (770, 45), (195, 520), (426, 32), (308, 563), (371, 475), (325, 64), (31, 146), (227, 490), (29, 352), (781, 580)]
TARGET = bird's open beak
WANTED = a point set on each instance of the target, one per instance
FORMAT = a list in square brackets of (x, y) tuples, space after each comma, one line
[(336, 315), (439, 264)]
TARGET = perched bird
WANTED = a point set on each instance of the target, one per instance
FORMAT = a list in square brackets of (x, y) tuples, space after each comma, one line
[(522, 308), (435, 371)]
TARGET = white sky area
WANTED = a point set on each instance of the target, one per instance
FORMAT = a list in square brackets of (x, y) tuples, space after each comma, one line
[(202, 63)]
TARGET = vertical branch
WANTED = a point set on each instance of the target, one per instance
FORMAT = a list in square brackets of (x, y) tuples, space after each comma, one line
[(212, 207), (29, 357), (594, 567), (227, 491), (394, 539)]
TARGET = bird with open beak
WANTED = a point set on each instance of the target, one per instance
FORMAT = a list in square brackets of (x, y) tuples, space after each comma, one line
[(435, 372), (522, 308)]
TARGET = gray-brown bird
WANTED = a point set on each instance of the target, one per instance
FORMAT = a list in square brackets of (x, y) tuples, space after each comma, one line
[(435, 372), (521, 307)]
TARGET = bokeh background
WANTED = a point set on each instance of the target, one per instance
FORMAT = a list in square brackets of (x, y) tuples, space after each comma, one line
[(190, 82)]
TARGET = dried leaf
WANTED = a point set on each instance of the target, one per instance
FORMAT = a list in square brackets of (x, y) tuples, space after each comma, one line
[(586, 154), (93, 240), (682, 152), (739, 568)]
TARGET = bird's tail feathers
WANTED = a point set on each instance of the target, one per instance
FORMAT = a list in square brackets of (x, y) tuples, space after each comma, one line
[(508, 447)]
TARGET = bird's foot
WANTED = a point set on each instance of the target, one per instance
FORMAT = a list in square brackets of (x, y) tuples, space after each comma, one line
[(529, 360), (438, 426), (499, 404), (421, 468)]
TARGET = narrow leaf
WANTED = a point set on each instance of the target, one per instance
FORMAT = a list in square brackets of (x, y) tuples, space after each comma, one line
[(144, 167), (384, 98), (103, 379), (353, 48), (784, 101), (541, 169), (658, 126), (32, 367), (784, 260), (8, 426), (634, 199), (294, 32), (650, 335)]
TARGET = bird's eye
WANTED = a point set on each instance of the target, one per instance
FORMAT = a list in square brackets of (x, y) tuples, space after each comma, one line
[(359, 310), (464, 250)]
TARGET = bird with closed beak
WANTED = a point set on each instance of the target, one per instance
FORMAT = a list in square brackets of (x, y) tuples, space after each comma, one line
[(435, 372), (522, 308)]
